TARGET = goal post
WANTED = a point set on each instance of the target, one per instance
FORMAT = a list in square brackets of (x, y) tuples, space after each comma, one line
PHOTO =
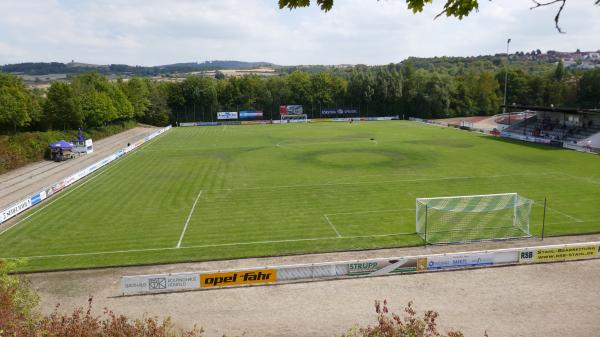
[(294, 119), (473, 218)]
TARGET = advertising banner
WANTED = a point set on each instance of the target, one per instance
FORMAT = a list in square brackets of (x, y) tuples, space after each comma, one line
[(384, 267), (227, 115), (251, 114), (233, 278), (346, 112), (15, 209), (470, 260), (526, 138), (559, 253), (158, 283), (360, 268), (291, 110), (36, 199)]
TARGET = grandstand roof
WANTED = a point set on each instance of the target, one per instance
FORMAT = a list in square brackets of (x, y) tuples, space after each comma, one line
[(554, 109)]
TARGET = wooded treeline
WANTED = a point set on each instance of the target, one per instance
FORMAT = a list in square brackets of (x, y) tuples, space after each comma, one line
[(91, 100)]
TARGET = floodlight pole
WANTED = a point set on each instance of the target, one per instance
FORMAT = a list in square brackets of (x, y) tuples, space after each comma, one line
[(544, 219), (506, 76)]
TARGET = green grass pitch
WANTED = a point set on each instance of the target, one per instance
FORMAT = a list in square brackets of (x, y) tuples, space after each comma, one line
[(259, 190)]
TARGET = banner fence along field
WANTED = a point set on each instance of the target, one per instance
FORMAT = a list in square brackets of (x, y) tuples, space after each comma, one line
[(147, 284)]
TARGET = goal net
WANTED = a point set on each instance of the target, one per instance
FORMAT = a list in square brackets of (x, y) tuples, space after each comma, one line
[(293, 119), (473, 218)]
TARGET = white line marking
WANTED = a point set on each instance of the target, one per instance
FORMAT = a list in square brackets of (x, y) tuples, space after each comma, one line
[(206, 246), (332, 226), (65, 193), (372, 182), (188, 219), (565, 214)]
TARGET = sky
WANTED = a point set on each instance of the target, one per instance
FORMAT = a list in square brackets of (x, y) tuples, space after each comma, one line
[(156, 32)]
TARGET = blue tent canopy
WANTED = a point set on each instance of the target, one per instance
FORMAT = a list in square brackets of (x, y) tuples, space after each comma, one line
[(61, 144)]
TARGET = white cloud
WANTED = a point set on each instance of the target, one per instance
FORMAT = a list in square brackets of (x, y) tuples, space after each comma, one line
[(356, 31)]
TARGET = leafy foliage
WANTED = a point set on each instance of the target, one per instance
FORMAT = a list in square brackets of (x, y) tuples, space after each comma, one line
[(18, 316), (455, 8), (390, 324)]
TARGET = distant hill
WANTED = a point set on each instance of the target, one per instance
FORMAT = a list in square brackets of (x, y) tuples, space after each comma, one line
[(45, 68)]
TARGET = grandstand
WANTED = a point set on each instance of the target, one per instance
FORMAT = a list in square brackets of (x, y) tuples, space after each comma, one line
[(571, 128)]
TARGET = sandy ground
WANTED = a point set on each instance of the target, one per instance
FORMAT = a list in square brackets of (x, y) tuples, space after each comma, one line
[(479, 122), (25, 181), (559, 299)]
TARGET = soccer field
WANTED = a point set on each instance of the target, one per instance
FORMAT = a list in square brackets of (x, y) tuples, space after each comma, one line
[(203, 193)]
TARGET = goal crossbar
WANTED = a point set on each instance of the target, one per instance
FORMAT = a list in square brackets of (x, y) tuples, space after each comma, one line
[(468, 196)]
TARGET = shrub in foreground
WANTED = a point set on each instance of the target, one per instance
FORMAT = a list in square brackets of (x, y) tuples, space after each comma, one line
[(390, 324), (18, 317)]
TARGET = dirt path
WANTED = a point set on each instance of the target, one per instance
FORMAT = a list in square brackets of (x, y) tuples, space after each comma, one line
[(561, 299), (23, 182)]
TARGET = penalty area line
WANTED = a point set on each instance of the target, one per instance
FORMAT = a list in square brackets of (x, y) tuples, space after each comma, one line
[(332, 226), (565, 214), (188, 220), (206, 246)]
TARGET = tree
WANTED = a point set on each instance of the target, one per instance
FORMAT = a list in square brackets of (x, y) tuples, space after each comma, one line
[(300, 89), (588, 89), (482, 89), (97, 108), (219, 75), (455, 8), (15, 102), (199, 96), (101, 101), (61, 107), (158, 112), (361, 87), (138, 94), (559, 72)]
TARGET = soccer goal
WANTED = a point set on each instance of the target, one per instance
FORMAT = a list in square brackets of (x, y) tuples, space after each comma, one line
[(293, 119), (473, 218)]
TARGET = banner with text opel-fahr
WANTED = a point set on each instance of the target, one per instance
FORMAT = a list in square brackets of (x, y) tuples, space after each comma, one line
[(195, 280), (233, 278)]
